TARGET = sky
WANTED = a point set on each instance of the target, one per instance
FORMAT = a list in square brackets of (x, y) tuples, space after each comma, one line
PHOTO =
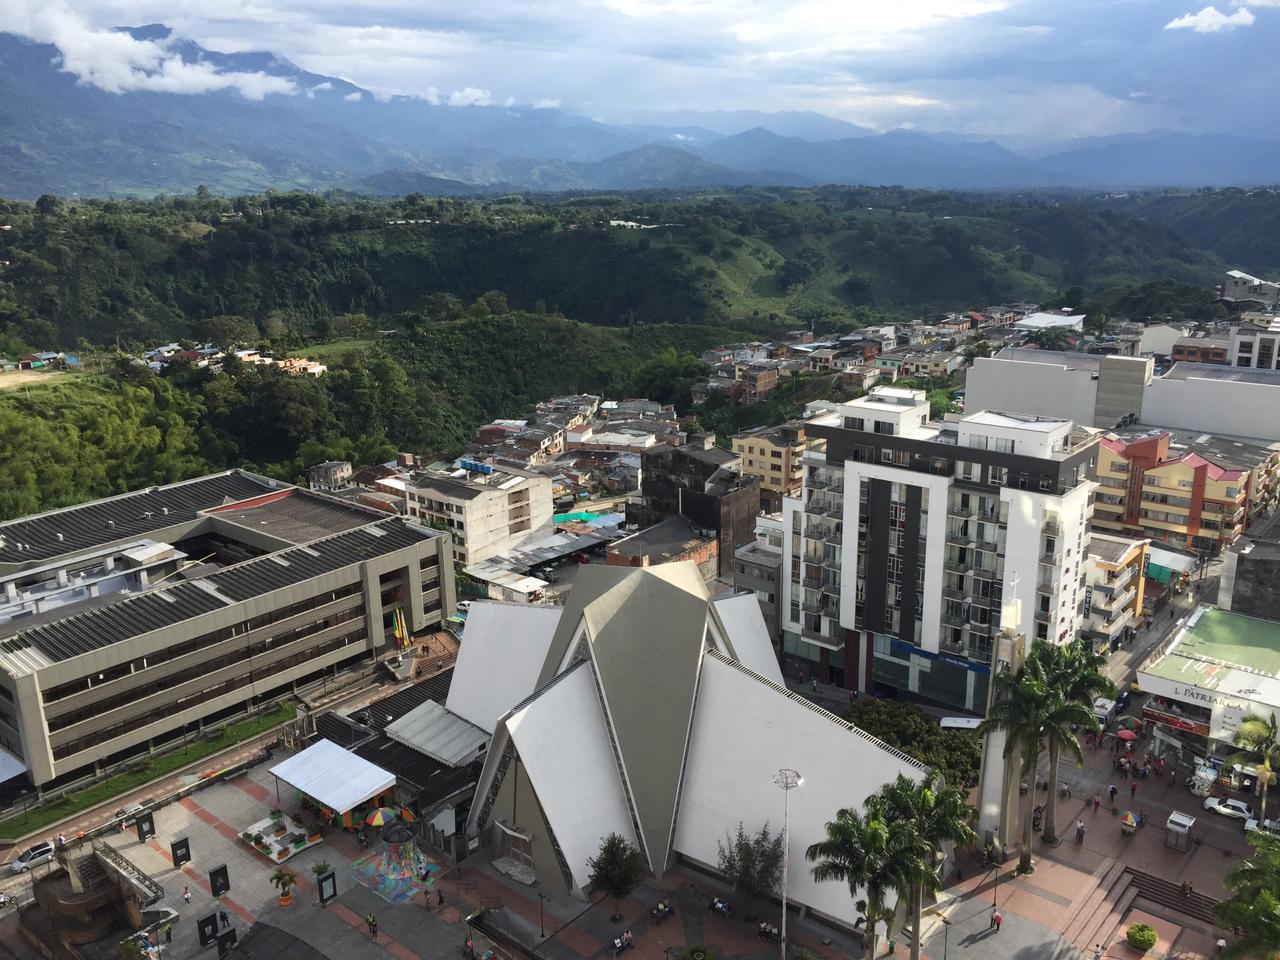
[(1017, 69)]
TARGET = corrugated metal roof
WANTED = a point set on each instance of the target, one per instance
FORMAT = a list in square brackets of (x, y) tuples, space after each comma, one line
[(441, 735)]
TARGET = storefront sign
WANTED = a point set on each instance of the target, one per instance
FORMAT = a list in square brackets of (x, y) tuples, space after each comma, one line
[(901, 646), (1172, 720), (1226, 711)]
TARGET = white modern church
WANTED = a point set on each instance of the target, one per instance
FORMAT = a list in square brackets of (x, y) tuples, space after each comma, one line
[(645, 708)]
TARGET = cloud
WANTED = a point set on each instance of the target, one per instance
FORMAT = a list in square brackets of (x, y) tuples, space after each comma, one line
[(470, 97), (319, 87), (547, 104), (1212, 20), (354, 97), (118, 63)]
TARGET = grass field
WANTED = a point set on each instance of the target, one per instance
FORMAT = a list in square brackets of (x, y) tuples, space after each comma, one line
[(27, 378), (335, 349)]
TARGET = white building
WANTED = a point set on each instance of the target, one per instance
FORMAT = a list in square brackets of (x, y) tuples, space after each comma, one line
[(486, 510), (914, 543), (646, 709), (1256, 344), (1240, 287), (1035, 322)]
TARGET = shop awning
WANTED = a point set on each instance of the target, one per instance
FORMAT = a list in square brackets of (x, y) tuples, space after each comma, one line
[(333, 777)]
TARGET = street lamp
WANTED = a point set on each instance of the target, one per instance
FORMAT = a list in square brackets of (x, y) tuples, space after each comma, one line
[(542, 928), (946, 934), (788, 780)]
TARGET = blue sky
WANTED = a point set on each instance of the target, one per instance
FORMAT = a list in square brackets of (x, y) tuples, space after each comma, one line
[(1037, 69)]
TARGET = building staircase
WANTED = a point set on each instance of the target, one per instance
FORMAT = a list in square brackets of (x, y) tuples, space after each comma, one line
[(1097, 918)]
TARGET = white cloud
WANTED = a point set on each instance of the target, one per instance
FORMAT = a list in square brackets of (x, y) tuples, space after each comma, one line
[(118, 63), (470, 97), (311, 93), (354, 97), (546, 104), (432, 96), (1212, 20)]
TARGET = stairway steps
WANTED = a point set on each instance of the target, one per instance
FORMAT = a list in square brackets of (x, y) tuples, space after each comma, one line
[(1105, 928), (1169, 894), (1084, 907)]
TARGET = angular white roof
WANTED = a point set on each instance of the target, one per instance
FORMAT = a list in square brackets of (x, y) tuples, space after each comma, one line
[(748, 637), (431, 729), (564, 748), (1049, 321), (502, 653), (744, 731), (333, 777)]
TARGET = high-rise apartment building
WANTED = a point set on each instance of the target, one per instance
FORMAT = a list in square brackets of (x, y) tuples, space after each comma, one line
[(914, 542), (772, 456)]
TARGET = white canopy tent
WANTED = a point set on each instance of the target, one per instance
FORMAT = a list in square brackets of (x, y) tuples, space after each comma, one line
[(333, 777)]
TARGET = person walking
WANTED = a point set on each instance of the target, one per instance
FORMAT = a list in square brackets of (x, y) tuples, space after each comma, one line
[(1097, 802), (1080, 831), (1133, 788), (439, 899), (224, 919), (186, 894), (1112, 791), (168, 933), (1097, 952), (372, 922), (996, 919), (1222, 945)]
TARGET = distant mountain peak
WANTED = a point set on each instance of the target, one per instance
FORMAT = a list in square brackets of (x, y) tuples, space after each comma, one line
[(149, 31)]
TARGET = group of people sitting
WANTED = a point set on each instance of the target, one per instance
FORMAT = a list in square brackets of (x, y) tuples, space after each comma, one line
[(661, 910), (720, 906), (622, 941), (767, 931)]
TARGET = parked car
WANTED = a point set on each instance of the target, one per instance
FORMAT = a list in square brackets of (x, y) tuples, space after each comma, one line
[(464, 605), (32, 857), (1229, 807), (1267, 826), (129, 812)]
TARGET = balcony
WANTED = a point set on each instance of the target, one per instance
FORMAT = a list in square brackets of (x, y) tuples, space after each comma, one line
[(1052, 528)]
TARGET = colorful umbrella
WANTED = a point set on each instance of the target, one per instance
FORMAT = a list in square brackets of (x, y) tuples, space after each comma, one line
[(381, 817), (1129, 723), (1126, 735)]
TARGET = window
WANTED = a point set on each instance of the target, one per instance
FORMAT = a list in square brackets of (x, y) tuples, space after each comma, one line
[(856, 423), (1046, 483), (885, 427), (1119, 466)]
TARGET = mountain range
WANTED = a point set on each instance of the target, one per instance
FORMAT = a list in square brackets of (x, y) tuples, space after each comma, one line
[(65, 137)]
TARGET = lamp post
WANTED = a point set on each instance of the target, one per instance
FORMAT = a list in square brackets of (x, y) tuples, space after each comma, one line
[(946, 934), (542, 928), (788, 780)]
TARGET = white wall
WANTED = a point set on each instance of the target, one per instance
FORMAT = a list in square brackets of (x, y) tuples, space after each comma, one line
[(1214, 406), (1040, 389)]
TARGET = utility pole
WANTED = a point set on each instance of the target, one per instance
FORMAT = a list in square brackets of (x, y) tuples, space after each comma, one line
[(788, 780)]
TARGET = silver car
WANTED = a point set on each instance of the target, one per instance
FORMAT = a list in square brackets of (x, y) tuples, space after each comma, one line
[(32, 857), (1229, 807), (1266, 826)]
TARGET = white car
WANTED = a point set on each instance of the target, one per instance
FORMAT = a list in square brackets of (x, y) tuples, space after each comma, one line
[(464, 605), (1267, 826), (33, 857), (1229, 807)]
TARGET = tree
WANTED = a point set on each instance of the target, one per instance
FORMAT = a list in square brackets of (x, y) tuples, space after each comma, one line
[(863, 852), (1073, 675), (752, 863), (47, 205), (1022, 700), (1257, 735), (616, 870), (226, 330), (936, 814), (1254, 906), (957, 754)]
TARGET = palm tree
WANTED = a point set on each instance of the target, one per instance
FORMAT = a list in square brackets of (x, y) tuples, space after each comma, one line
[(1258, 736), (1254, 907), (1073, 674), (862, 851), (1022, 701), (935, 813)]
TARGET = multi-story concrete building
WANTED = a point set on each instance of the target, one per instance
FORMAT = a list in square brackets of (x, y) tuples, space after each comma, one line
[(1250, 579), (772, 456), (703, 483), (914, 543), (1115, 577), (1256, 343), (486, 510), (757, 568), (1240, 289), (1200, 349), (133, 622), (1189, 490)]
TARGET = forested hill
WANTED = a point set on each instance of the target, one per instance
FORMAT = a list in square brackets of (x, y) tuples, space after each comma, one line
[(121, 272)]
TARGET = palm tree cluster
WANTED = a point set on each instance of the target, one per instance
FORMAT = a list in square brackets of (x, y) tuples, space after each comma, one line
[(1041, 706), (1258, 736), (893, 845), (1254, 907)]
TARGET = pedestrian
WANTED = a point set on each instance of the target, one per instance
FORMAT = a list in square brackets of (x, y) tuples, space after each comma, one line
[(224, 919), (1111, 791), (1097, 802), (1133, 788), (372, 922), (996, 920), (440, 899), (186, 894), (893, 945), (1080, 830), (1222, 945), (813, 682), (1097, 952), (168, 932)]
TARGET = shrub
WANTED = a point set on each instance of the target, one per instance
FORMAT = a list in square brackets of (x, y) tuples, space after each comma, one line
[(1141, 936)]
